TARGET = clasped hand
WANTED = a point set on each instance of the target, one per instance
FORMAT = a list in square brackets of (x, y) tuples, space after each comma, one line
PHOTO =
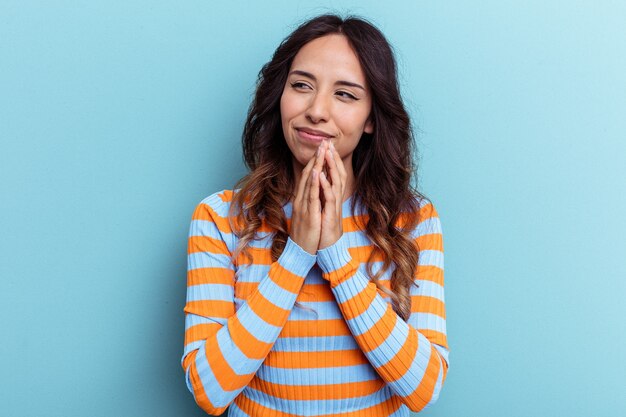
[(316, 220)]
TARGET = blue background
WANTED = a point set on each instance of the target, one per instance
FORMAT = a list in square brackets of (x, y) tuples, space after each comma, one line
[(117, 118)]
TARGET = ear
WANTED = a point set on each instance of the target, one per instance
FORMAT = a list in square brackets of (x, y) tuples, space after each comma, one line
[(369, 126)]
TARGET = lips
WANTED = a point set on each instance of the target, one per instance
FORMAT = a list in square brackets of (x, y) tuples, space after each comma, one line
[(312, 134)]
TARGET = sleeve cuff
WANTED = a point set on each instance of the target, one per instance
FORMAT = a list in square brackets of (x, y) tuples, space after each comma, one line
[(334, 257), (295, 259)]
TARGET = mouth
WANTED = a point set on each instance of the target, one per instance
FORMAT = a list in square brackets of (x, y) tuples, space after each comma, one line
[(312, 135)]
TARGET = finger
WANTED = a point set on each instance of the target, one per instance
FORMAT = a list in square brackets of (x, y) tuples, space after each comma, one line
[(314, 192), (304, 177), (329, 194), (340, 166), (319, 157), (333, 170)]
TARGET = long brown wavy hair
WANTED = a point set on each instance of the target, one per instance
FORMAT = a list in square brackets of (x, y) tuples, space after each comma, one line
[(382, 161)]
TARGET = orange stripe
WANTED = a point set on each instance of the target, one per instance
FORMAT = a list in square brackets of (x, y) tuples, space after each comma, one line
[(358, 304), (354, 223), (212, 308), (201, 332), (206, 212), (226, 196), (260, 256), (285, 279), (372, 338), (425, 304), (427, 212), (199, 393), (206, 244), (318, 392), (424, 391), (325, 359), (245, 341), (315, 328), (435, 337), (189, 359), (430, 273), (432, 241), (308, 292), (200, 276), (226, 377), (402, 360), (267, 311), (342, 274), (385, 408), (315, 292), (445, 369)]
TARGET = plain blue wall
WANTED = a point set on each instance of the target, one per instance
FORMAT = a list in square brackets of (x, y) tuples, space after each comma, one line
[(117, 117)]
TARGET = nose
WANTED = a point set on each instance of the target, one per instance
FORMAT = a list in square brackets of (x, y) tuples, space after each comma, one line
[(318, 110)]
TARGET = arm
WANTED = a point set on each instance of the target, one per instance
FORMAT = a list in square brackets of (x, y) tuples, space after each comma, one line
[(224, 348), (411, 357)]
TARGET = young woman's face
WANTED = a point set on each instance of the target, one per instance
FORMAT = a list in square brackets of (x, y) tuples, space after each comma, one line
[(325, 97)]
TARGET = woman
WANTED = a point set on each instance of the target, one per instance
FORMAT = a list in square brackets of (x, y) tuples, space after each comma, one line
[(316, 287)]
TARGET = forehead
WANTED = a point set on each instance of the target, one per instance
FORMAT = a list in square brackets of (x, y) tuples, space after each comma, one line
[(329, 56)]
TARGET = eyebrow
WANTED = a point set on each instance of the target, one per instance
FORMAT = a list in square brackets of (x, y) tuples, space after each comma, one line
[(340, 82)]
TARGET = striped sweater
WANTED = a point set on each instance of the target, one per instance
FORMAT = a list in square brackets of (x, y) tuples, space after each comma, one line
[(309, 335)]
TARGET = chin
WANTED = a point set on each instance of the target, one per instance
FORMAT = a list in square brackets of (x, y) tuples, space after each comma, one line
[(303, 158)]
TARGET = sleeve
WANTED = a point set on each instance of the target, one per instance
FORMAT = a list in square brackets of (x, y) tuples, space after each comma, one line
[(224, 347), (412, 356)]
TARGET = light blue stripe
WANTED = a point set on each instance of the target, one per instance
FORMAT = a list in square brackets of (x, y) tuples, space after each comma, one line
[(205, 228), (445, 353), (210, 292), (236, 359), (391, 346), (208, 260), (315, 344), (213, 390), (252, 273), (315, 277), (412, 378), (427, 288), (319, 407), (350, 287), (219, 206), (190, 347), (318, 376), (427, 321), (431, 257), (277, 295), (427, 227), (437, 389), (357, 238), (193, 319), (366, 320), (188, 381), (258, 327), (326, 310)]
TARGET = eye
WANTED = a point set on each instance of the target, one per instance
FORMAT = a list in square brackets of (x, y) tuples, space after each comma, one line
[(345, 94), (299, 85)]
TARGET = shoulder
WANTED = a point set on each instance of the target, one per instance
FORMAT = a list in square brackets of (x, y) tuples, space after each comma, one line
[(425, 208), (428, 221), (214, 205), (419, 216)]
